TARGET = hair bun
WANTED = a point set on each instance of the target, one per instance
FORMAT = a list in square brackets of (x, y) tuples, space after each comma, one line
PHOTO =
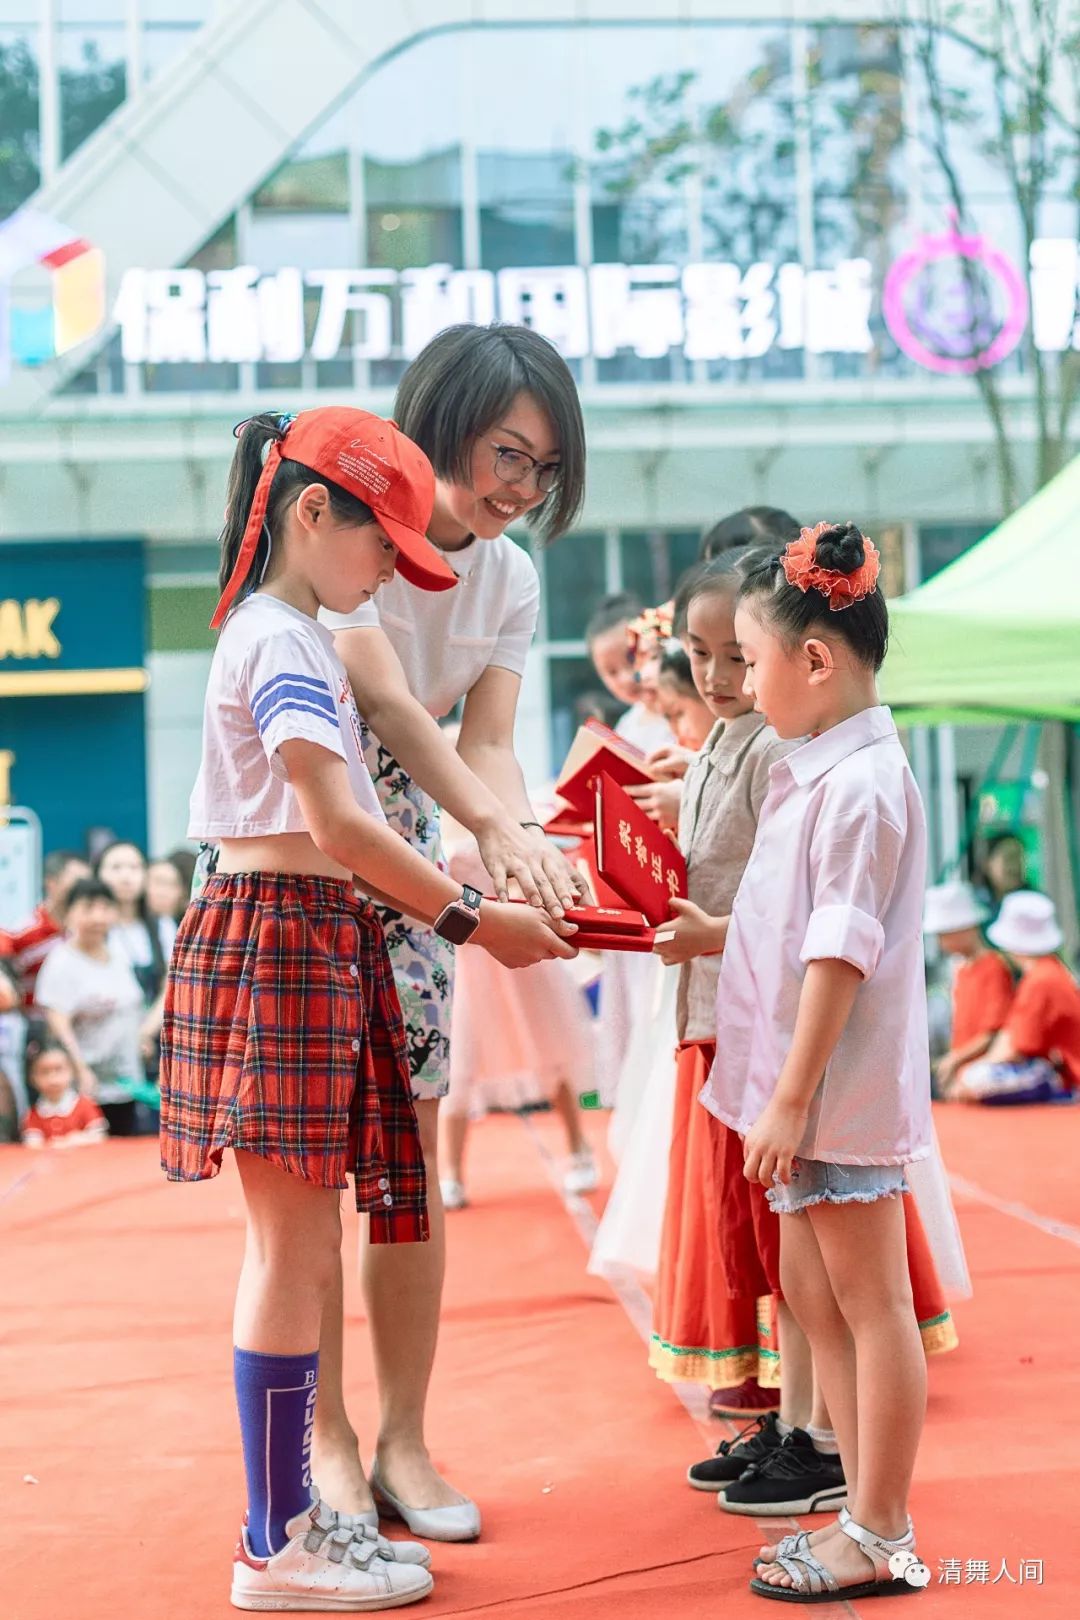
[(842, 547)]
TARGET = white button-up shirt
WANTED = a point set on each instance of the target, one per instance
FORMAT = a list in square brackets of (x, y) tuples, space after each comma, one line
[(838, 872)]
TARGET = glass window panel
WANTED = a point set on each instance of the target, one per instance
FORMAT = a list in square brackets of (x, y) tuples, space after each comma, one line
[(414, 211), (575, 581), (162, 44), (315, 183), (92, 13), (191, 378), (859, 154), (569, 680), (219, 253), (93, 78), (654, 561), (526, 209), (941, 543), (521, 126), (19, 147), (176, 11)]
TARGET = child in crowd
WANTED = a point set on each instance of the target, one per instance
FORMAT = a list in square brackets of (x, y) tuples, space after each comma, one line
[(27, 946), (823, 974), (982, 986), (614, 648), (516, 1039), (1035, 1056), (283, 1036), (60, 1117), (691, 720), (93, 1004)]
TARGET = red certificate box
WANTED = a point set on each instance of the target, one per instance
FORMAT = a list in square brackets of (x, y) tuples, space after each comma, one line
[(596, 748), (608, 928), (635, 858)]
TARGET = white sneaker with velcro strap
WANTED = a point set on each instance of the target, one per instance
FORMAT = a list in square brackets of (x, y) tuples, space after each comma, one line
[(329, 1564)]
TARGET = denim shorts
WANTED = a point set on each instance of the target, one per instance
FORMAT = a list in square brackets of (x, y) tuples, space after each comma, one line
[(813, 1181)]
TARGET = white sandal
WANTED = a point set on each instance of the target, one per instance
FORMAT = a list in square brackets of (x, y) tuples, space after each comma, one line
[(813, 1583), (799, 1540)]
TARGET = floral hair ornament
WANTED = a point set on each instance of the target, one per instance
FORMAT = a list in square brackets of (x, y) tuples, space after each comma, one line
[(839, 589), (650, 629)]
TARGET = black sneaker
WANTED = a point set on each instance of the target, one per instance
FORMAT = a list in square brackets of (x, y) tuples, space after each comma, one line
[(789, 1480), (734, 1457)]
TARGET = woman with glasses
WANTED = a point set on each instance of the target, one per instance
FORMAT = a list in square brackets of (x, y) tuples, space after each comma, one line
[(496, 410)]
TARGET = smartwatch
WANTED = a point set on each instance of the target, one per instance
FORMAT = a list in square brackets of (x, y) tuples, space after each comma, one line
[(459, 921)]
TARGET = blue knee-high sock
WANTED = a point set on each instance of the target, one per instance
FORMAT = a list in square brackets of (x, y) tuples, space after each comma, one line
[(275, 1396)]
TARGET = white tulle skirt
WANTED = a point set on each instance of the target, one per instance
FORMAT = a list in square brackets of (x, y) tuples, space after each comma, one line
[(639, 1136)]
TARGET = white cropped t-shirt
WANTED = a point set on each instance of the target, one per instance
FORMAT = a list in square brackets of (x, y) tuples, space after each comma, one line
[(275, 676)]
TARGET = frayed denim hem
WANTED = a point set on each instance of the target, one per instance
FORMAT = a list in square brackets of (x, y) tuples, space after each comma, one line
[(829, 1197)]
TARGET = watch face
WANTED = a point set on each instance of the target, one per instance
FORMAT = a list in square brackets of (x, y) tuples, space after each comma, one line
[(457, 924)]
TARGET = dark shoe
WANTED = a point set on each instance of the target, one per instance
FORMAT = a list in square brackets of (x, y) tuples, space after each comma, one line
[(734, 1457), (791, 1479), (743, 1401)]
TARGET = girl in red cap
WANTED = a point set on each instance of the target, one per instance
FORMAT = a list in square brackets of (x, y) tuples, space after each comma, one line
[(282, 1036)]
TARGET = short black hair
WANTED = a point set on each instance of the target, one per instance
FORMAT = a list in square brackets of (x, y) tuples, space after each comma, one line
[(749, 526), (466, 378), (58, 860), (720, 575), (90, 888), (39, 1046), (863, 625), (675, 662), (613, 610)]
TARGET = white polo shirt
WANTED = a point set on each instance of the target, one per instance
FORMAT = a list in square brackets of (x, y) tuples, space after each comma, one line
[(838, 872), (445, 640), (275, 676)]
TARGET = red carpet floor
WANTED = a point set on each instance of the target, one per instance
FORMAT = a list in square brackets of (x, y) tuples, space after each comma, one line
[(119, 1468)]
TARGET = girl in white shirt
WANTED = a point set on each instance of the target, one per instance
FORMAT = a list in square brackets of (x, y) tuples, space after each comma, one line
[(282, 1037), (822, 1052)]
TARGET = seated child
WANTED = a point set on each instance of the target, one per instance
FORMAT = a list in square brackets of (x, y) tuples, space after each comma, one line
[(982, 988), (60, 1117), (1035, 1057)]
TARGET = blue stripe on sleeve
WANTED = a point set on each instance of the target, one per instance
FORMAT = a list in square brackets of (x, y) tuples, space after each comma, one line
[(291, 705), (302, 687)]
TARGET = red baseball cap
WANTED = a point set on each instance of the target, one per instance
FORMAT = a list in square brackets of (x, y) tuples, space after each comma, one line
[(371, 459)]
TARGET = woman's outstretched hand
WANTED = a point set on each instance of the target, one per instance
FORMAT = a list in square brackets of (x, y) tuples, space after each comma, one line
[(540, 870)]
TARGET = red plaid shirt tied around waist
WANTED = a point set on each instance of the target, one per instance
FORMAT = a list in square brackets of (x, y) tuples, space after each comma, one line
[(283, 1037)]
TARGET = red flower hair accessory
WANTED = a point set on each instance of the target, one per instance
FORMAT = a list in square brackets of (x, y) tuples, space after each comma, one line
[(839, 589), (651, 628)]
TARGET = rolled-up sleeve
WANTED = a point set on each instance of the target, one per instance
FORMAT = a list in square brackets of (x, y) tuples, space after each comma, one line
[(854, 860)]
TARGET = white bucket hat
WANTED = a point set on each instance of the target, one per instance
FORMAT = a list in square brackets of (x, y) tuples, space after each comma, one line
[(1026, 925), (951, 907)]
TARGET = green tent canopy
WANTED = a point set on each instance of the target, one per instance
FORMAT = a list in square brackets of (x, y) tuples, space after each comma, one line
[(996, 635)]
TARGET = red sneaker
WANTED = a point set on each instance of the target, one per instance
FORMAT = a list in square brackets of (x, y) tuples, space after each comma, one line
[(743, 1399)]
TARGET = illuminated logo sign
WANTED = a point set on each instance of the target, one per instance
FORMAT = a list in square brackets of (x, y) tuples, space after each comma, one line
[(956, 304), (72, 306), (953, 304)]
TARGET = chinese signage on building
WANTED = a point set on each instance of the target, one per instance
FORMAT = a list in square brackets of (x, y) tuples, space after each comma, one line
[(952, 303)]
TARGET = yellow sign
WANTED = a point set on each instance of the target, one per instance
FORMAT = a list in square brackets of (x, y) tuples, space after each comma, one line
[(26, 628), (7, 760)]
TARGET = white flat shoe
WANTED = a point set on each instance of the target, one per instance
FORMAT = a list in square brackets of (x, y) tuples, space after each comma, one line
[(453, 1194), (458, 1523)]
